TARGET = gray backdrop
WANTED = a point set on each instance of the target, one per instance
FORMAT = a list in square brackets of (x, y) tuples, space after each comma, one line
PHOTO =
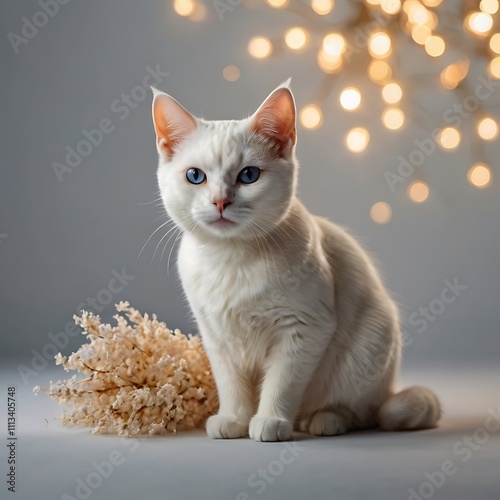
[(63, 241)]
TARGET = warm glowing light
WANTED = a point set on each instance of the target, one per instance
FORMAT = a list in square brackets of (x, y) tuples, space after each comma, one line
[(278, 4), (231, 73), (379, 71), (311, 116), (334, 44), (408, 4), (453, 74), (479, 22), (495, 43), (260, 47), (200, 13), (433, 20), (350, 98), (380, 44), (432, 3), (373, 2), (184, 7), (487, 129), (434, 46), (393, 118), (479, 175), (392, 93), (489, 6), (322, 7), (494, 67), (418, 14), (449, 138), (329, 64), (381, 212), (296, 38), (390, 6), (357, 139), (420, 34), (418, 191)]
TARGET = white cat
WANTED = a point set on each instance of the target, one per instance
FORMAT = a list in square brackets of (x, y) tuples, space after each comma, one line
[(298, 327)]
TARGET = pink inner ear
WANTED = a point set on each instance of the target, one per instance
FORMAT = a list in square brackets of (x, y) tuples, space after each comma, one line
[(275, 118), (172, 122)]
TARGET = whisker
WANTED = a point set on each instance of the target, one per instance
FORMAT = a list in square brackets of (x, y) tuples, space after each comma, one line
[(154, 232), (149, 202), (162, 238), (171, 250)]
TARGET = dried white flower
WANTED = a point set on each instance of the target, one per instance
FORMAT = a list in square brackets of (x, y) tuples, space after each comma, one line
[(141, 377)]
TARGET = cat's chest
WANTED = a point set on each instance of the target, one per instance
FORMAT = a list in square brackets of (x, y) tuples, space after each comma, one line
[(223, 282)]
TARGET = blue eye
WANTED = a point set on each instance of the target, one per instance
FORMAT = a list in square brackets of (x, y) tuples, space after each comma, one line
[(249, 175), (195, 176)]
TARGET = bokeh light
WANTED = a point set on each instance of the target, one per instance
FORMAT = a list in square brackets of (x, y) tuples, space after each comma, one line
[(231, 73), (449, 138), (260, 47), (184, 7), (479, 23), (334, 44), (393, 118), (418, 191), (392, 93), (435, 46), (350, 98), (489, 6), (452, 75), (357, 139), (322, 7), (296, 38), (381, 212), (390, 6), (494, 67), (379, 71), (487, 129), (479, 175), (278, 4), (495, 43), (311, 117), (379, 44)]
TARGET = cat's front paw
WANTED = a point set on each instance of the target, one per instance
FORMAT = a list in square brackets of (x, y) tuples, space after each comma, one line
[(225, 427), (270, 429)]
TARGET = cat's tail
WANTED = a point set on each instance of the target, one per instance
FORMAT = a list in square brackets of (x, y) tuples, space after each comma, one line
[(413, 408)]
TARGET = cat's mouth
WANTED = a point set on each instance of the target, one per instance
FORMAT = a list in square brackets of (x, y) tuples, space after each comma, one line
[(222, 221)]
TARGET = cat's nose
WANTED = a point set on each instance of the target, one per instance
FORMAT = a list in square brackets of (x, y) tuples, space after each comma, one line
[(222, 204)]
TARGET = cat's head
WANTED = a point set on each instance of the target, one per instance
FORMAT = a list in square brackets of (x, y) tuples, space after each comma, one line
[(227, 179)]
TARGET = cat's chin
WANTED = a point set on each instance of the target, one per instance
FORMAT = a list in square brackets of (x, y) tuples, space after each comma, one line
[(222, 222), (223, 228)]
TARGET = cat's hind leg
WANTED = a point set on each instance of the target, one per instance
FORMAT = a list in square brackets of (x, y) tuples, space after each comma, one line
[(326, 422)]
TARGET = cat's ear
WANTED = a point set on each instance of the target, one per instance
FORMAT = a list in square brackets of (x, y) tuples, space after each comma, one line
[(172, 122), (275, 119)]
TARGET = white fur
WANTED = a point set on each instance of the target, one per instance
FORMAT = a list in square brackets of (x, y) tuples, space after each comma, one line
[(297, 324)]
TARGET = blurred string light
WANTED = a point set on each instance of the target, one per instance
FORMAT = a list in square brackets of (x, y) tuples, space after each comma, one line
[(260, 47), (231, 73), (449, 138), (418, 191), (479, 175), (469, 32), (296, 38), (311, 117), (381, 212), (357, 139), (350, 98)]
